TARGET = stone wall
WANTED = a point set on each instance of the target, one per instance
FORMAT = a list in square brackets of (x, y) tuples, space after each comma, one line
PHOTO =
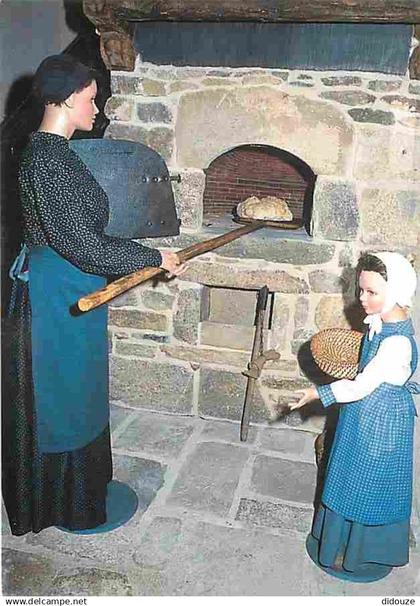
[(358, 132)]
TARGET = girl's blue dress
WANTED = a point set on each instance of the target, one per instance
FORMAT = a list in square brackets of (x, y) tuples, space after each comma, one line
[(361, 529)]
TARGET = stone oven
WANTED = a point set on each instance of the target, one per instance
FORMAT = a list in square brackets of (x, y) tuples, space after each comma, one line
[(257, 170), (341, 144)]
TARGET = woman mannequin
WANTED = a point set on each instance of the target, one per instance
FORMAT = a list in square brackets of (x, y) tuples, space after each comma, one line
[(56, 448)]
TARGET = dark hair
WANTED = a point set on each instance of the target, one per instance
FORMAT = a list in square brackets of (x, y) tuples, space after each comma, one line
[(370, 262), (58, 76)]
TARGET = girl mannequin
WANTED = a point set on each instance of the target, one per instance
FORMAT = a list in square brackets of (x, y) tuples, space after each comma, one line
[(361, 529)]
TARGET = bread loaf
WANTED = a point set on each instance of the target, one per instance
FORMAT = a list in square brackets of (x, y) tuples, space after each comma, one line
[(269, 208)]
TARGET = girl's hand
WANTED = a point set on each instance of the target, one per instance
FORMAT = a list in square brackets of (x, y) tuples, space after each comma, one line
[(171, 263), (309, 395)]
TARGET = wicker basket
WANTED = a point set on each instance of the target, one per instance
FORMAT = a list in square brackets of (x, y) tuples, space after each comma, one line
[(336, 351)]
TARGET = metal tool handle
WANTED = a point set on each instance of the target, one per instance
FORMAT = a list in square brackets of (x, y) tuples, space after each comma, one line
[(257, 349)]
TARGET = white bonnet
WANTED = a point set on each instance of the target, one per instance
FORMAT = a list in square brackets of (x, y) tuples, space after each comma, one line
[(401, 280), (400, 287)]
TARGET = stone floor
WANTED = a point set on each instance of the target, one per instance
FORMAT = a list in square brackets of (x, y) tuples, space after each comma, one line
[(216, 517)]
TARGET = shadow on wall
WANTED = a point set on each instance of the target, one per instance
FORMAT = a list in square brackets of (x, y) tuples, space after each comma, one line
[(23, 115), (354, 315), (76, 20)]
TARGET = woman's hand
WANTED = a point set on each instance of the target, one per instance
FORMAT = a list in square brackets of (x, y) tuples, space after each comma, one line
[(171, 263), (309, 395)]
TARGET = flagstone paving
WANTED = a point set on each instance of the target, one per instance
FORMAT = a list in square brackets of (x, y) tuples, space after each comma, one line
[(216, 517)]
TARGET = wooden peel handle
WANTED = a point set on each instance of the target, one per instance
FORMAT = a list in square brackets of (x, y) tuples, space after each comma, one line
[(123, 284)]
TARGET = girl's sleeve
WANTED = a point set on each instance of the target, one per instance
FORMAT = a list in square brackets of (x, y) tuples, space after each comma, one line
[(75, 234), (390, 365)]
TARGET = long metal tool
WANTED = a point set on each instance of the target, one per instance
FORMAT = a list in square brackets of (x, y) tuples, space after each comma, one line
[(258, 358), (99, 297)]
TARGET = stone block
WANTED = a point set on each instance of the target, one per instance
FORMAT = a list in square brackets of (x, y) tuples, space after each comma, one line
[(413, 88), (387, 153), (274, 382), (157, 435), (130, 132), (164, 73), (225, 431), (410, 122), (262, 79), (208, 479), (123, 85), (347, 257), (222, 119), (274, 515), (301, 84), (269, 245), (222, 395), (400, 102), (223, 357), (218, 73), (232, 306), (157, 300), (204, 559), (335, 213), (159, 138), (349, 97), (138, 319), (119, 108), (215, 274), (384, 86), (342, 81), (374, 116), (203, 355), (301, 312), (142, 475), (323, 281), (153, 112), (181, 85), (280, 324), (279, 74), (155, 338), (290, 442), (156, 386), (217, 82), (189, 197), (91, 582), (127, 299), (187, 316), (118, 415), (284, 479), (329, 313), (138, 350), (387, 216), (278, 251), (151, 88), (226, 335), (26, 573)]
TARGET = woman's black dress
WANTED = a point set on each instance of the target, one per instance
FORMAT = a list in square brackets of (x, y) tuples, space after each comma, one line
[(55, 430)]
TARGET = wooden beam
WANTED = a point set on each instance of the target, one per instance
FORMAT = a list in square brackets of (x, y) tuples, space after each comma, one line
[(273, 11), (116, 34), (114, 19)]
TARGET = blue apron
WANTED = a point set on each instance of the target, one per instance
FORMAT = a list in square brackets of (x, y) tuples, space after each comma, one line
[(69, 353), (370, 468)]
